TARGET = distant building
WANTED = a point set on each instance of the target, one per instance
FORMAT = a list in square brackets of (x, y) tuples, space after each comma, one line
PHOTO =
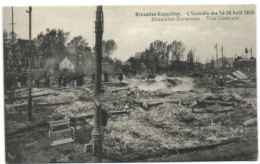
[(209, 66), (229, 63), (245, 64), (198, 66), (225, 63), (67, 64)]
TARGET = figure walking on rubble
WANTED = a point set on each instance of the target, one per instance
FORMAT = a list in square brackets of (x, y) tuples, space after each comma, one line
[(150, 76), (106, 76), (78, 79), (59, 80), (81, 79), (64, 81), (48, 82), (37, 82), (120, 76), (93, 77)]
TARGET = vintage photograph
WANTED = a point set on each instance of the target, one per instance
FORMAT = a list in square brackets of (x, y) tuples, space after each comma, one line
[(162, 83)]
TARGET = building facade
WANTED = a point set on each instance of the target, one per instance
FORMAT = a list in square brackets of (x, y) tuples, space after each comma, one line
[(67, 64)]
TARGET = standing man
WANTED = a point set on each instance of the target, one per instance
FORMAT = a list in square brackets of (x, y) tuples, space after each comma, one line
[(59, 80), (82, 78), (37, 81), (48, 81), (120, 76), (105, 76), (64, 81), (93, 77)]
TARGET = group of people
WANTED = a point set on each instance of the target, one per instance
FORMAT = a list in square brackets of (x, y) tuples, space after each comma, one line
[(62, 79), (72, 79), (78, 79), (150, 75)]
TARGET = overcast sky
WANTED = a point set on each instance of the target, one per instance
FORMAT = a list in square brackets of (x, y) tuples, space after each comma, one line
[(134, 34)]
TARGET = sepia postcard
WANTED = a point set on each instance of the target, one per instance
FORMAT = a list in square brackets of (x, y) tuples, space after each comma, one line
[(143, 83)]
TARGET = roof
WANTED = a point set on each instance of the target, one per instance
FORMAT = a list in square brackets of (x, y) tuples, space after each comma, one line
[(72, 55), (22, 44), (70, 59)]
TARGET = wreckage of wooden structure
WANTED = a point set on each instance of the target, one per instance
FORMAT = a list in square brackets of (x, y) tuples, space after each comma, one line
[(47, 94), (250, 122), (239, 75), (90, 116), (213, 102), (121, 89), (71, 120), (210, 103), (190, 103), (11, 108), (51, 104), (20, 107), (146, 103), (20, 90), (212, 110), (239, 79), (61, 132)]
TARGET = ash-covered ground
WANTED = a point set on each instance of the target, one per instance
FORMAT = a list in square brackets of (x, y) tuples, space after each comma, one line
[(160, 119)]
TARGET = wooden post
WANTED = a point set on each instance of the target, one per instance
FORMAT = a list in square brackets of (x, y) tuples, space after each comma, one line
[(96, 133), (30, 53)]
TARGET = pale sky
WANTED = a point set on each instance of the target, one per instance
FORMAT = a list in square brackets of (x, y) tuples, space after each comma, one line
[(134, 34)]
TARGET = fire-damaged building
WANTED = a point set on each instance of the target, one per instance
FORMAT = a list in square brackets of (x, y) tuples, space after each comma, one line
[(225, 64), (247, 65)]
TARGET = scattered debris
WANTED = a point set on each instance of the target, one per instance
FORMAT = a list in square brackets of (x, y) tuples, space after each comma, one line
[(146, 118), (120, 89), (250, 122)]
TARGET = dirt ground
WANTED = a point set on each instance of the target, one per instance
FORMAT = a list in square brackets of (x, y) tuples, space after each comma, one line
[(164, 132)]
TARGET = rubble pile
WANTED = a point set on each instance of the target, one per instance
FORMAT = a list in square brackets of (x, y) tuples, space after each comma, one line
[(75, 109), (180, 120), (156, 117)]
